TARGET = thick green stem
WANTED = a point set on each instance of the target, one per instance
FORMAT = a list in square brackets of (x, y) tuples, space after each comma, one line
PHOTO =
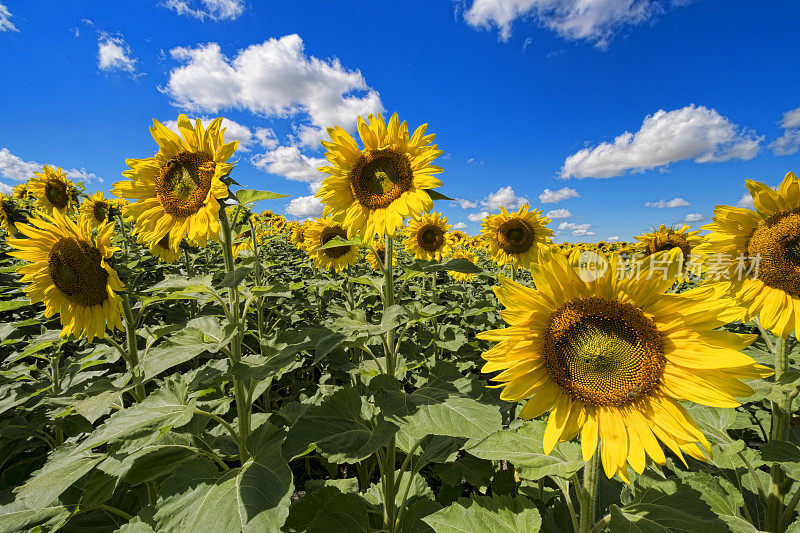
[(781, 413), (389, 488), (259, 280), (513, 272), (591, 486), (133, 350)]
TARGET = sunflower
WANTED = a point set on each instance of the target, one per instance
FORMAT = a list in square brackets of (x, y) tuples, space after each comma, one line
[(369, 191), (22, 192), (53, 191), (336, 258), (614, 357), (463, 254), (298, 235), (176, 191), (69, 272), (427, 238), (756, 254), (242, 242), (8, 215), (377, 256), (95, 210), (665, 238), (515, 237), (162, 251)]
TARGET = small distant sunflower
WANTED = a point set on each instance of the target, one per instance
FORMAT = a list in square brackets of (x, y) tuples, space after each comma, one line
[(427, 238), (161, 250), (69, 272), (516, 237), (53, 191), (8, 215), (177, 191), (369, 191), (377, 259), (336, 258), (770, 287), (665, 238), (615, 357), (298, 235), (242, 242), (460, 276), (22, 192), (95, 209)]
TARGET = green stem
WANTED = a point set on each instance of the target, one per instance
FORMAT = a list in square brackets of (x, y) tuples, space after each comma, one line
[(563, 485), (591, 486), (779, 430), (260, 311), (133, 350), (513, 272), (114, 510), (190, 273), (389, 488)]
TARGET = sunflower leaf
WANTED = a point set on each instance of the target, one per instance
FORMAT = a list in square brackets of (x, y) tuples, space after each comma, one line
[(500, 514), (249, 196), (436, 195), (337, 241)]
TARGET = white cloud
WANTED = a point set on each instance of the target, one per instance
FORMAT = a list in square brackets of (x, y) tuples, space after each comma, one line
[(613, 238), (113, 53), (233, 131), (5, 20), (791, 119), (746, 201), (558, 213), (202, 9), (578, 230), (460, 226), (694, 217), (5, 188), (466, 204), (473, 161), (477, 217), (786, 144), (504, 197), (661, 204), (305, 207), (273, 79), (593, 20), (287, 161), (14, 168), (692, 132), (267, 138), (553, 197)]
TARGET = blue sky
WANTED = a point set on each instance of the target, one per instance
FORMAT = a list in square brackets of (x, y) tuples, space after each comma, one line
[(618, 117)]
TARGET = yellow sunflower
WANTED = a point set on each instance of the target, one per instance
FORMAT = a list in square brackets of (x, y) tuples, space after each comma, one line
[(515, 237), (298, 235), (756, 254), (369, 191), (53, 191), (242, 242), (177, 191), (69, 272), (95, 210), (7, 215), (377, 258), (22, 192), (460, 276), (614, 357), (336, 258), (427, 237), (665, 238), (161, 250)]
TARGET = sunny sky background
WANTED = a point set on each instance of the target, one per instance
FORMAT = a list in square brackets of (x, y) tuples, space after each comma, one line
[(614, 117)]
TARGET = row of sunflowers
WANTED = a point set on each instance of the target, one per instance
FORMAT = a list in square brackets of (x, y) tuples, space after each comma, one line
[(228, 362)]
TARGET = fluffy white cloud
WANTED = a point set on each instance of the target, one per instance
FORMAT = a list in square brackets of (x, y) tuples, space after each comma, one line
[(553, 197), (267, 138), (5, 20), (233, 131), (504, 197), (113, 53), (466, 204), (786, 144), (287, 161), (477, 217), (593, 20), (746, 201), (613, 238), (578, 230), (460, 226), (558, 213), (694, 217), (305, 207), (273, 79), (692, 132), (661, 204), (5, 188), (791, 119), (14, 168), (202, 9)]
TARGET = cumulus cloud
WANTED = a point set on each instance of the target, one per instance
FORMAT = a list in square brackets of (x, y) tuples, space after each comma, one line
[(273, 79), (661, 204), (692, 132), (553, 197), (477, 217), (558, 213), (460, 226), (613, 238), (694, 217), (5, 20), (789, 142), (791, 119), (466, 204), (213, 9), (267, 138), (5, 188), (233, 131), (289, 162), (578, 230), (595, 21), (15, 168), (504, 197), (305, 207), (113, 53), (746, 201)]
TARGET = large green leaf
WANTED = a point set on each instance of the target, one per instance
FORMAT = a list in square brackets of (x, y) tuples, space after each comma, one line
[(499, 514), (330, 511), (151, 461), (16, 517), (249, 196)]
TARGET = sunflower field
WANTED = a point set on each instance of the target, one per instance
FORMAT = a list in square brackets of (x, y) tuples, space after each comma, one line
[(172, 360)]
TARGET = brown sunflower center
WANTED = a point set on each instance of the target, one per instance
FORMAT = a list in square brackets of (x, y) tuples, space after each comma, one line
[(776, 243), (515, 236), (76, 269), (603, 352), (329, 233), (380, 253), (183, 183), (381, 177), (100, 211), (430, 237), (56, 193), (164, 242)]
